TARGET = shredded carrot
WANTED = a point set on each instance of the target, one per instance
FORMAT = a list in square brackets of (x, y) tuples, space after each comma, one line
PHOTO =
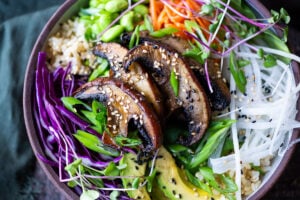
[(173, 14)]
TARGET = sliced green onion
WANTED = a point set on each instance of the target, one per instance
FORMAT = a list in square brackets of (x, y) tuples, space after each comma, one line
[(174, 83), (164, 32)]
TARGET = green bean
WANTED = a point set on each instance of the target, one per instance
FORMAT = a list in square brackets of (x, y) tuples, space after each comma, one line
[(127, 21), (112, 33), (116, 5)]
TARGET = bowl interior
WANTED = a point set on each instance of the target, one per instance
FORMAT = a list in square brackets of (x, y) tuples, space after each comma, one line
[(66, 11)]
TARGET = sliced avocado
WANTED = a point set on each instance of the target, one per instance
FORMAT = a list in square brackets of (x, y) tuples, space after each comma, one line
[(171, 181), (134, 169)]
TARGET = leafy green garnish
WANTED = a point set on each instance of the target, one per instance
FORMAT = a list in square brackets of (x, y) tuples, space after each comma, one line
[(114, 195), (89, 195), (215, 135), (93, 143), (237, 73)]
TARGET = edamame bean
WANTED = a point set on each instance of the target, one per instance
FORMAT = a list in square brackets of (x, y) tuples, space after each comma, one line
[(116, 5), (141, 10), (127, 21), (112, 33)]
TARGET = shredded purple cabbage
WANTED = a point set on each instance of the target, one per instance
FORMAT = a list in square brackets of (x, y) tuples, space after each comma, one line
[(56, 125)]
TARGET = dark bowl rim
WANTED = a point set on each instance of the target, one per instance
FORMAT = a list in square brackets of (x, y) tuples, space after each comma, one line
[(30, 125)]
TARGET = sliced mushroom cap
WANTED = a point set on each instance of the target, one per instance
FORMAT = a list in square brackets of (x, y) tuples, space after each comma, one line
[(137, 76), (161, 61), (220, 97), (123, 105)]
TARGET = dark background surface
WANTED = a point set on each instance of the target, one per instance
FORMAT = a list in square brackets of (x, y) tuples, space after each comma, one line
[(32, 181)]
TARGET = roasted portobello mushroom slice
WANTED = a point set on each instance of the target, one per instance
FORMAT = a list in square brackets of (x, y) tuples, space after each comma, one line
[(220, 97), (137, 76), (124, 104), (161, 61)]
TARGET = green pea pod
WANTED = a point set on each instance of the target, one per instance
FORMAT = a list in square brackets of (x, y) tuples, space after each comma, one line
[(115, 6), (164, 32), (112, 33)]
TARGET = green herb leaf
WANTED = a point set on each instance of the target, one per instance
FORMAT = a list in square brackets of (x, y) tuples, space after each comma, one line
[(174, 82), (164, 32), (111, 170), (285, 16), (269, 61), (242, 63), (93, 143), (89, 195), (237, 73), (207, 9), (114, 195), (72, 168)]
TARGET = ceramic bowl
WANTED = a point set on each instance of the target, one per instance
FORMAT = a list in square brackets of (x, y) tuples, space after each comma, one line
[(65, 11)]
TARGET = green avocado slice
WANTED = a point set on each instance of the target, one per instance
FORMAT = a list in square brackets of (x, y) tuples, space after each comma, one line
[(171, 180), (134, 169)]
